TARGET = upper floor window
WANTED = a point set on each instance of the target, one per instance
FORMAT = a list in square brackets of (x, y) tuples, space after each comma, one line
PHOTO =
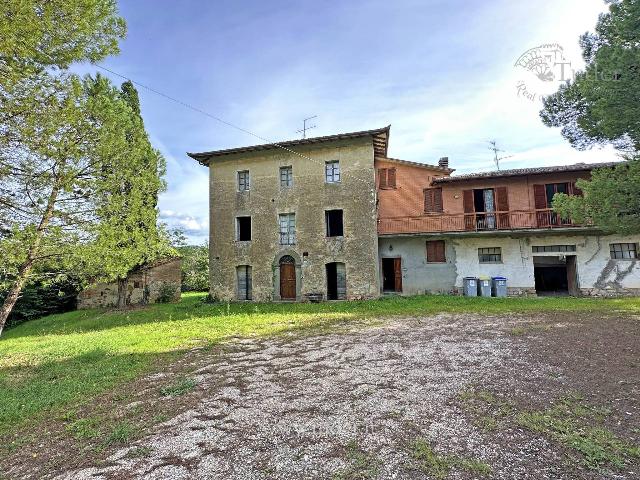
[(243, 229), (244, 182), (332, 171), (334, 223), (623, 251), (552, 188), (287, 228), (286, 177), (387, 178), (433, 200), (490, 255)]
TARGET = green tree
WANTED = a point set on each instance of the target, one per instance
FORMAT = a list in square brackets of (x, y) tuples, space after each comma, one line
[(611, 199), (601, 105), (36, 34), (78, 172), (195, 267)]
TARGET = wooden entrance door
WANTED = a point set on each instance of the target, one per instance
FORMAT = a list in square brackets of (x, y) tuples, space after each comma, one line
[(397, 274), (287, 278)]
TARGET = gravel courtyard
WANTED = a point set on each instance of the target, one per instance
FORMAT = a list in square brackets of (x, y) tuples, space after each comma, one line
[(437, 397)]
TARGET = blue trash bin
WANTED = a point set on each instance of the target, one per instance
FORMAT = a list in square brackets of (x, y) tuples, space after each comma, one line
[(499, 286)]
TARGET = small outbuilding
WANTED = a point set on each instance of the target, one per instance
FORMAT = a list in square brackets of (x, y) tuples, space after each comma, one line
[(156, 282)]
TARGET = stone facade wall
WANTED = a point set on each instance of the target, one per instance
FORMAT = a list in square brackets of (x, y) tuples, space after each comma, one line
[(144, 285), (308, 198), (597, 273)]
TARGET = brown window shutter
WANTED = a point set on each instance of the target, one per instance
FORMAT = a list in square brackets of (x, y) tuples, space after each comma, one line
[(502, 203), (435, 251), (431, 253), (437, 199), (382, 174), (428, 200), (391, 177), (467, 201), (433, 200), (540, 197), (467, 205), (440, 254), (543, 219)]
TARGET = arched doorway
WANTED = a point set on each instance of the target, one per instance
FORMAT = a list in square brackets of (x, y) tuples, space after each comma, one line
[(287, 278)]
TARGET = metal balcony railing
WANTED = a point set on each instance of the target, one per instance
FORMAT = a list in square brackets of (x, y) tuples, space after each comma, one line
[(474, 222)]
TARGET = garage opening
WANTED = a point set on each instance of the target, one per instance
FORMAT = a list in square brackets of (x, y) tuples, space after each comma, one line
[(336, 281), (392, 275), (555, 275)]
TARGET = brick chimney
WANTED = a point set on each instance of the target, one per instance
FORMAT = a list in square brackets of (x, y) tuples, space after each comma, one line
[(443, 162)]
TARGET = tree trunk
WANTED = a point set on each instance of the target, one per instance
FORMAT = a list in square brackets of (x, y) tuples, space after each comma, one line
[(27, 265), (122, 292)]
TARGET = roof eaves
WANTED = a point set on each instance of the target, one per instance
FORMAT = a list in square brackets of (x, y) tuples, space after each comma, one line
[(380, 136)]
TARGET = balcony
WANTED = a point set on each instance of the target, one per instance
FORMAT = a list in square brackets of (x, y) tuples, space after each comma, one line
[(475, 222)]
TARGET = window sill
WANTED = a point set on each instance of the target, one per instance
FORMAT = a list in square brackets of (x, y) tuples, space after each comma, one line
[(436, 263), (335, 237)]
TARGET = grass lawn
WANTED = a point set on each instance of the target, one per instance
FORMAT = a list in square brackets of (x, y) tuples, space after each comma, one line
[(49, 365)]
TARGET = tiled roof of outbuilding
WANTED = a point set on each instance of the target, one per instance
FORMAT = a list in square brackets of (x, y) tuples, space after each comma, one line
[(516, 172)]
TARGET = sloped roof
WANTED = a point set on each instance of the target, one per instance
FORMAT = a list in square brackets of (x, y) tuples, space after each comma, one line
[(380, 144), (578, 167), (418, 164)]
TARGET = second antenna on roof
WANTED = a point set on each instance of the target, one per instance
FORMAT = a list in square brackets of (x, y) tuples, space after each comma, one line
[(305, 128)]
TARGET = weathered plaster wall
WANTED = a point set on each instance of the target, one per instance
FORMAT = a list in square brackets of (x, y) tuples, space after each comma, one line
[(418, 276), (144, 286), (309, 197), (597, 272)]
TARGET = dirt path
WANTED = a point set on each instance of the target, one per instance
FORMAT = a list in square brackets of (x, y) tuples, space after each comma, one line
[(357, 404)]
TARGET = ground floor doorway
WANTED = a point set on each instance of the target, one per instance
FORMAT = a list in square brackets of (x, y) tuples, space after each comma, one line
[(392, 275), (555, 275), (336, 281), (287, 278)]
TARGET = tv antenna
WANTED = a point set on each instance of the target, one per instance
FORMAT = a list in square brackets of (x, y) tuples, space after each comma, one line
[(494, 148), (305, 128)]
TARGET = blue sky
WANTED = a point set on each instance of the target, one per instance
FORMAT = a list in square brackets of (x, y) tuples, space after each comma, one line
[(441, 72)]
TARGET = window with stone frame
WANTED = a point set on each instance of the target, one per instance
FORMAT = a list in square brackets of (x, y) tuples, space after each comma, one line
[(244, 181), (287, 228)]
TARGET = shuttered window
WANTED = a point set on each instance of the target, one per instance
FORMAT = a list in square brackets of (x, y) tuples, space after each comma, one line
[(435, 251), (387, 178), (433, 200), (243, 274)]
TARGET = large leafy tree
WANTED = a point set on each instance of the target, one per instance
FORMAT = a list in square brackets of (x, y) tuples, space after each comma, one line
[(79, 178), (38, 34), (80, 181), (602, 106)]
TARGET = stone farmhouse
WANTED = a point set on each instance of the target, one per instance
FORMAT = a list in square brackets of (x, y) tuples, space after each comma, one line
[(335, 217)]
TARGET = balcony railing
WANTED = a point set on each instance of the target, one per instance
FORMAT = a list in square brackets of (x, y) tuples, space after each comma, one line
[(474, 222)]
